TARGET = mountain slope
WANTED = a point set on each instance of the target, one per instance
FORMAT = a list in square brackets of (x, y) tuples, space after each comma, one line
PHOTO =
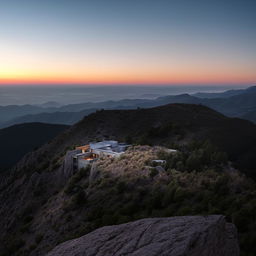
[(18, 140), (251, 115), (44, 202)]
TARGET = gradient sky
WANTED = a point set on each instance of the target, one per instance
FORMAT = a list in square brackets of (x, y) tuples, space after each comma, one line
[(128, 41)]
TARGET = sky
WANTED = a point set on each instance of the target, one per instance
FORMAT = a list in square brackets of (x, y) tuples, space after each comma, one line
[(127, 42)]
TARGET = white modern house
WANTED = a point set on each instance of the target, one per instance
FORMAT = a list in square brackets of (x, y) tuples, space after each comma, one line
[(91, 152)]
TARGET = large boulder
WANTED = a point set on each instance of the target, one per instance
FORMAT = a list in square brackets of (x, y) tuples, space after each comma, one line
[(175, 236)]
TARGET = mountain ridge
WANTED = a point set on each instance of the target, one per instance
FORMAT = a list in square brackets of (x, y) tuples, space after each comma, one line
[(164, 125), (236, 104)]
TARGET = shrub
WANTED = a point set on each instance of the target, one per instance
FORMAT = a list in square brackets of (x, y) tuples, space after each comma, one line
[(69, 218), (73, 181), (79, 198), (121, 186), (14, 245), (129, 209), (123, 219), (28, 219), (180, 194), (153, 172), (32, 247), (156, 198), (185, 210), (39, 238), (221, 185), (193, 162), (168, 196), (25, 228), (241, 219), (108, 219)]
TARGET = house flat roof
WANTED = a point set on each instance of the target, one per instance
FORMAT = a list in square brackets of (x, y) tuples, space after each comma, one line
[(103, 144)]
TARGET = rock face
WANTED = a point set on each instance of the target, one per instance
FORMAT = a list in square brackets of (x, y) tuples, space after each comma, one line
[(175, 236)]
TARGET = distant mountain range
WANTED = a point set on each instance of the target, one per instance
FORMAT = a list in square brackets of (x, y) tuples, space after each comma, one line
[(67, 118), (225, 94), (233, 103), (19, 139)]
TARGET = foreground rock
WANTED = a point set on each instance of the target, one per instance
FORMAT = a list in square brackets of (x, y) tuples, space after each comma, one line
[(176, 236)]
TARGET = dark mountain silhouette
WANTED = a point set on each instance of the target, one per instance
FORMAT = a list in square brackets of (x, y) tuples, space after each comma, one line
[(251, 115), (18, 140)]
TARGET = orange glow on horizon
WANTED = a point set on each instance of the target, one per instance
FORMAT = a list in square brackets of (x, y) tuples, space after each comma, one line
[(128, 75), (131, 80), (24, 66)]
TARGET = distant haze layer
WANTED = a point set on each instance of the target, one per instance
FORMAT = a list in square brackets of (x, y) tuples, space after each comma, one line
[(19, 95)]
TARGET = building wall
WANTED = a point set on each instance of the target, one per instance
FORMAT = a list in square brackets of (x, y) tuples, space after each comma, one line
[(82, 163), (104, 153)]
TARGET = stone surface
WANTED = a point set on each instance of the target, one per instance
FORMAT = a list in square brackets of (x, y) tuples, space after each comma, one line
[(175, 236)]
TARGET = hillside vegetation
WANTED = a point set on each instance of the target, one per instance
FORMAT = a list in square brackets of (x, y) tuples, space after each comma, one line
[(115, 191)]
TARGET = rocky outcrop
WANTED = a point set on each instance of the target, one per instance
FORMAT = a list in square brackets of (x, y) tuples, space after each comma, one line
[(175, 236)]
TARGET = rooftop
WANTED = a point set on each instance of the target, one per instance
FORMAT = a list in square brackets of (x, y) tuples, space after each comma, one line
[(103, 144)]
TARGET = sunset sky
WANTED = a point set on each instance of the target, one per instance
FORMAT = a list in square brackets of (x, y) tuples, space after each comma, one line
[(127, 42)]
